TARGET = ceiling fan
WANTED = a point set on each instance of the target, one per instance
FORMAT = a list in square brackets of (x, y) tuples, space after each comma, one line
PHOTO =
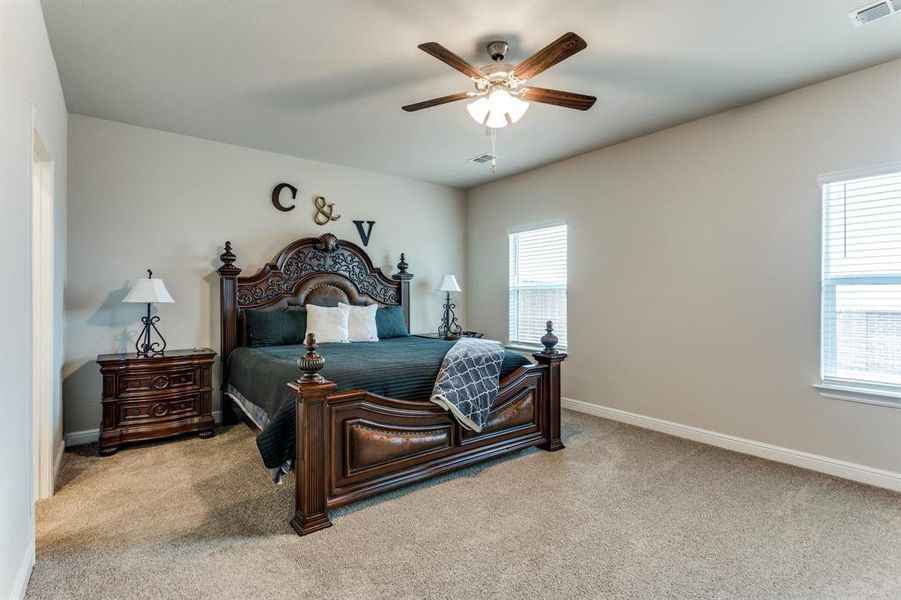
[(500, 96)]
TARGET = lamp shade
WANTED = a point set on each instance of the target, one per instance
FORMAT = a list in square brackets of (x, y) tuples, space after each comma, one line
[(147, 291), (449, 284)]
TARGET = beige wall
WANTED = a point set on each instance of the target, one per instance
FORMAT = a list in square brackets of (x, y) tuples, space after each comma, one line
[(29, 88), (141, 198), (694, 265)]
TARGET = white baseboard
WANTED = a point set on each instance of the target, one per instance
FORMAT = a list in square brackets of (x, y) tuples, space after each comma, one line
[(89, 436), (58, 461), (23, 574), (805, 460)]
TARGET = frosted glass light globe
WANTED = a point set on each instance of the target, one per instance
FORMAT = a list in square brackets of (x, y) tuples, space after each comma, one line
[(478, 110), (496, 119), (517, 109), (499, 101)]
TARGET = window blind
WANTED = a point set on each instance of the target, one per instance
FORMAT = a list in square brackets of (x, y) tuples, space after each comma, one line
[(861, 312), (537, 284)]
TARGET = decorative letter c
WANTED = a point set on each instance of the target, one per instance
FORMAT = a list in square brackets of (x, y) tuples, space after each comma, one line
[(278, 190)]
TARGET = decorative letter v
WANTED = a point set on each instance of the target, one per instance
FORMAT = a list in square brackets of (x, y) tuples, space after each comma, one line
[(364, 236)]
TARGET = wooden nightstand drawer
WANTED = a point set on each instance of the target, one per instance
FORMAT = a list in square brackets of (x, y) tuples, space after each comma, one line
[(159, 410), (148, 398), (134, 384)]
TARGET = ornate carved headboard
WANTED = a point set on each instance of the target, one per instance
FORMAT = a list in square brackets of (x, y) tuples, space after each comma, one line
[(321, 271)]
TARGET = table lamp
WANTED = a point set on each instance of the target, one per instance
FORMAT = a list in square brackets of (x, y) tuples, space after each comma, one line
[(449, 329), (148, 291)]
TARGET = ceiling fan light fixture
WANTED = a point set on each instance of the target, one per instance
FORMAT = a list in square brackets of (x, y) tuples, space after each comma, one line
[(517, 108), (478, 110), (496, 119), (499, 98)]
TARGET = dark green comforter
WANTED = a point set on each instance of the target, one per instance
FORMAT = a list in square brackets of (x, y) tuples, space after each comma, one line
[(403, 368)]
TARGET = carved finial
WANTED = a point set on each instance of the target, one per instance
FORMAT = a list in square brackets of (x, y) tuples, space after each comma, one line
[(402, 273), (311, 362), (327, 242), (549, 340), (227, 257)]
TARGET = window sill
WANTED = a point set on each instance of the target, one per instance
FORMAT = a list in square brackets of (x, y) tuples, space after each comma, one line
[(862, 395), (523, 347)]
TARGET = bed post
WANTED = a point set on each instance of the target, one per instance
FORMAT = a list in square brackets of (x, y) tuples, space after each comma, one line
[(228, 299), (311, 443), (551, 358), (404, 279)]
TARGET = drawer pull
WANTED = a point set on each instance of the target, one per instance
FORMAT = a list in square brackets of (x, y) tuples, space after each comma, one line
[(159, 410), (160, 382)]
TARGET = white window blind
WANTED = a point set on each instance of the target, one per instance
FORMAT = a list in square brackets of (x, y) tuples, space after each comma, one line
[(861, 312), (537, 284)]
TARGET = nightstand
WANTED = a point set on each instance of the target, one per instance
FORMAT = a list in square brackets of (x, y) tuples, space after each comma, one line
[(147, 398)]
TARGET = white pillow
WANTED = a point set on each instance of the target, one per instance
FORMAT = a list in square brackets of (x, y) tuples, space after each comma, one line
[(328, 323), (361, 323)]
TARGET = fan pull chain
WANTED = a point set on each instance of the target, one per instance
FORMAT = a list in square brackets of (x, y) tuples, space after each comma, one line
[(493, 150)]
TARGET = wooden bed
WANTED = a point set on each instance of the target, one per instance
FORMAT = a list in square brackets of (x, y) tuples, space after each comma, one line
[(353, 444)]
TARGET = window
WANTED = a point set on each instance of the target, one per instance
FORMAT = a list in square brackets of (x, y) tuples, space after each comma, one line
[(537, 284), (861, 313)]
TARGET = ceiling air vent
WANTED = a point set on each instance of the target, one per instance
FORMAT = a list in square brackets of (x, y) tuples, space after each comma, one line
[(483, 158), (872, 12)]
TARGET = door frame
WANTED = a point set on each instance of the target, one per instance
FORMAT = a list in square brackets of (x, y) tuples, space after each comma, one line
[(43, 326)]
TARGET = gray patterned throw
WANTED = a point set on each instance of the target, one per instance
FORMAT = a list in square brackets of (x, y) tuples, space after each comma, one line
[(468, 381)]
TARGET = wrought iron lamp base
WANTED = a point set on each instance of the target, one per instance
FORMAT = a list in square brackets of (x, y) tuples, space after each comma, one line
[(449, 329), (144, 346)]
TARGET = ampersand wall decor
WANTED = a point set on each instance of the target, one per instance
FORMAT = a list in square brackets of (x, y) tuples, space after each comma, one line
[(276, 192), (324, 211)]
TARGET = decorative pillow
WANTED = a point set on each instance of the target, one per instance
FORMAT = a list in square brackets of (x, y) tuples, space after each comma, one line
[(361, 323), (328, 323), (390, 322), (275, 328)]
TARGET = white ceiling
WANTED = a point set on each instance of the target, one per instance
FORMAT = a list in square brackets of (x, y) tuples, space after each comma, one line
[(326, 80)]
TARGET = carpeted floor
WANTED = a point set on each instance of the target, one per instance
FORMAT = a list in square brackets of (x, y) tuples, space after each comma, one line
[(621, 513)]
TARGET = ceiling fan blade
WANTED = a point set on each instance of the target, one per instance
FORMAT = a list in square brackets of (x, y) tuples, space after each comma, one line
[(436, 101), (560, 49), (558, 98), (448, 57)]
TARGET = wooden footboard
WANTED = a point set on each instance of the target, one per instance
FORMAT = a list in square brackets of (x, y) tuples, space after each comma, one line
[(354, 444)]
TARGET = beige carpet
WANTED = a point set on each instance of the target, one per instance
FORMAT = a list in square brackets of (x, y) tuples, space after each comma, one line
[(621, 513)]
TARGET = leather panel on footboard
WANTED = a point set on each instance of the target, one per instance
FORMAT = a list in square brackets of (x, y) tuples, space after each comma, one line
[(515, 412), (518, 412), (372, 444), (378, 443), (373, 436)]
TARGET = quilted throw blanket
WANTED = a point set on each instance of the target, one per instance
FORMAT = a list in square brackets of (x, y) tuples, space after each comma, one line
[(468, 381)]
